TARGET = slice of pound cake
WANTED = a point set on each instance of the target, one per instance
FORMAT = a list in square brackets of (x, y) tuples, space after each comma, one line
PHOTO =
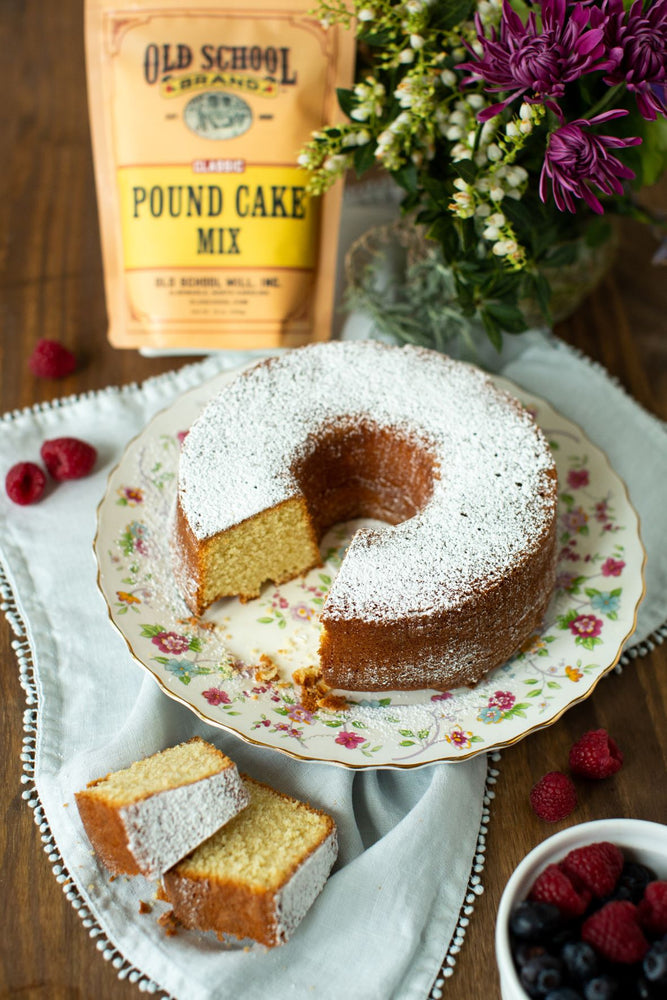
[(259, 874), (145, 818)]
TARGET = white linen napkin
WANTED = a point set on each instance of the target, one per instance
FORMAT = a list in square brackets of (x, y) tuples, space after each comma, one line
[(409, 840)]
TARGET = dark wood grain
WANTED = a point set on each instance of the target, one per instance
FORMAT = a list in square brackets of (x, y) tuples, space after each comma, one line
[(51, 285)]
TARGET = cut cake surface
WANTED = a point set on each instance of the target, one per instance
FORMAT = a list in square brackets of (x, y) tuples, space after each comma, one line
[(144, 818)]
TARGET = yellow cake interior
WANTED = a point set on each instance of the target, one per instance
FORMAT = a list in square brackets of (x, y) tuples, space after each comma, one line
[(171, 768), (262, 845), (278, 544)]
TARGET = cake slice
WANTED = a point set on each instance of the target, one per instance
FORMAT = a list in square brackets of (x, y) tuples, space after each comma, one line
[(258, 875), (145, 818)]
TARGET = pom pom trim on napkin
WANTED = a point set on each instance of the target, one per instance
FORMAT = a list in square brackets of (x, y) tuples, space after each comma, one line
[(124, 969)]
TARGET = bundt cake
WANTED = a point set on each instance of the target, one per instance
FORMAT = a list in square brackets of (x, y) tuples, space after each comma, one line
[(146, 817), (461, 572), (259, 874)]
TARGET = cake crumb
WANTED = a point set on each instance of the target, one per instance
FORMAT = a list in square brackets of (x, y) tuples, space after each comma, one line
[(313, 688), (145, 907), (169, 923), (197, 623), (267, 670), (333, 703)]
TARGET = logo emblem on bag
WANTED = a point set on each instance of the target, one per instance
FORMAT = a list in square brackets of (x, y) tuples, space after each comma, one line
[(217, 115)]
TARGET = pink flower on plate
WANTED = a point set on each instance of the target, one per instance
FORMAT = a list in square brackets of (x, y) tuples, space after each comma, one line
[(302, 612), (576, 478), (171, 642), (442, 696), (612, 567), (216, 696), (565, 580), (575, 519), (458, 738), (350, 740), (300, 714), (586, 626), (502, 700)]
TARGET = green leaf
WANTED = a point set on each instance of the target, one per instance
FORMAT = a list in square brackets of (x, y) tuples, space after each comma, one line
[(347, 100), (406, 177), (453, 12), (149, 631), (467, 170), (493, 331), (364, 158), (406, 743), (508, 317), (265, 621)]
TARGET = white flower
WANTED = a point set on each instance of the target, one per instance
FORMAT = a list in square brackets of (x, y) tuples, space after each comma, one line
[(413, 6), (512, 130), (482, 210), (461, 185), (453, 133), (525, 128), (448, 77), (460, 152), (504, 247), (516, 176), (464, 199), (475, 101), (494, 152), (367, 14), (525, 112), (406, 56), (360, 114), (497, 219), (496, 193), (416, 41), (491, 233), (303, 160)]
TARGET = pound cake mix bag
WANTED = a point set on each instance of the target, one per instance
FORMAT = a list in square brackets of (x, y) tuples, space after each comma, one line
[(198, 115)]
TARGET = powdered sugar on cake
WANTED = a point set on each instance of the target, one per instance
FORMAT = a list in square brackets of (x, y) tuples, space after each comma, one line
[(491, 499)]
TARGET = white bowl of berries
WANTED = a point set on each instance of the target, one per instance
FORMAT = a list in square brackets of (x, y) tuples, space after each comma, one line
[(584, 916)]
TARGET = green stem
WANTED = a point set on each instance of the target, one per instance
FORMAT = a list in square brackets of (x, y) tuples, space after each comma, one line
[(605, 101)]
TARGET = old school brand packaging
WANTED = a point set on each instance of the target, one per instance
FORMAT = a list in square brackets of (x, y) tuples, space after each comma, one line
[(198, 114)]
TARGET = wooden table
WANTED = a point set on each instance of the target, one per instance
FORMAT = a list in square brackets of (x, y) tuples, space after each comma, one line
[(51, 286)]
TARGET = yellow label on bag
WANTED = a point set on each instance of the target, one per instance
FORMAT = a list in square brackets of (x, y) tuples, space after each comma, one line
[(198, 116), (260, 217)]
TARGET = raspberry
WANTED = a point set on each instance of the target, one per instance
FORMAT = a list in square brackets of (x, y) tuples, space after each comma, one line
[(615, 933), (68, 457), (653, 908), (595, 755), (553, 797), (51, 360), (596, 867), (553, 886), (25, 483)]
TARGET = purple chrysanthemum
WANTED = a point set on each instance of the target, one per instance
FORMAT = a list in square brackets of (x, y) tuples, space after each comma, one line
[(576, 160), (533, 62), (637, 47)]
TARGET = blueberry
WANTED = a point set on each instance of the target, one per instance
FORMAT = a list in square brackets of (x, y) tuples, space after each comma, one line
[(580, 960), (523, 951), (655, 963), (633, 880), (541, 976), (601, 988), (534, 921)]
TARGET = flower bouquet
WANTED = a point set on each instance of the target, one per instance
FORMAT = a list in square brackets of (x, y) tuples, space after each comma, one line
[(513, 129)]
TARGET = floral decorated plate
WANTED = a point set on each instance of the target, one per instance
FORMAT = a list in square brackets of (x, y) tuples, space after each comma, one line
[(212, 664)]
